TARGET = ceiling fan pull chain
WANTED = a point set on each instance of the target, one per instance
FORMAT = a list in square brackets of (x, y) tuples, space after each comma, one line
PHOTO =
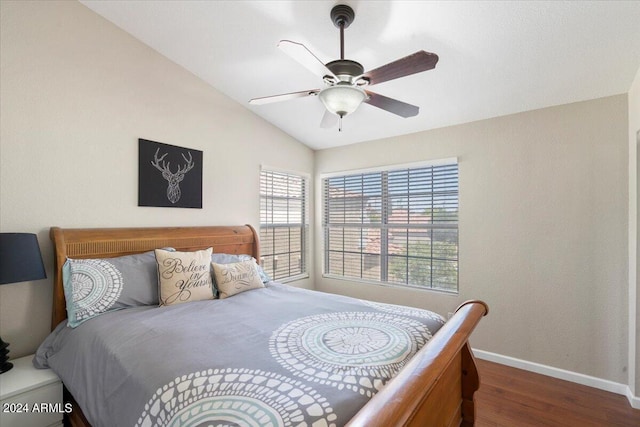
[(340, 124)]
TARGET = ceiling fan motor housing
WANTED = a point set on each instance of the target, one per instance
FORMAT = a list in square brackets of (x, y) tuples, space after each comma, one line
[(345, 69)]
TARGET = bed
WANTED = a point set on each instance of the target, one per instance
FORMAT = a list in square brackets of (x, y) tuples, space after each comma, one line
[(434, 386)]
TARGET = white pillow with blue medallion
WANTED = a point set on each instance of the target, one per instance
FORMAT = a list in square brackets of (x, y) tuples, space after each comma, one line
[(95, 286)]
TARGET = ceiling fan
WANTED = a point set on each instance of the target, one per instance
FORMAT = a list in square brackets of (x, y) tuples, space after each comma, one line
[(345, 80)]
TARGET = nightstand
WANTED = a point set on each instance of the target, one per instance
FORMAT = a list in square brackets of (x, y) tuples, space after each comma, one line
[(30, 397)]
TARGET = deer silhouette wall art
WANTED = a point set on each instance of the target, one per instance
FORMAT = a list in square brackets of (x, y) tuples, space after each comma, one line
[(173, 178), (169, 176)]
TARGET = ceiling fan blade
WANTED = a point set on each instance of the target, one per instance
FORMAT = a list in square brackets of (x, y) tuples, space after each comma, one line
[(391, 105), (305, 57), (329, 120), (414, 63), (283, 97)]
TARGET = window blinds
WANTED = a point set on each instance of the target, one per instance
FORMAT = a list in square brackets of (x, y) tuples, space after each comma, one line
[(283, 224), (395, 226)]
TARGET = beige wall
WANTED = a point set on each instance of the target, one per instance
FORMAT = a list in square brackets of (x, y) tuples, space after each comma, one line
[(634, 261), (77, 93), (543, 230)]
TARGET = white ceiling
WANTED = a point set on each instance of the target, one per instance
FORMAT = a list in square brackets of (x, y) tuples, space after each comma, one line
[(496, 57)]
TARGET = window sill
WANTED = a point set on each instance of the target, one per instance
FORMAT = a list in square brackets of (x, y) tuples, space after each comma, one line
[(391, 285), (292, 278)]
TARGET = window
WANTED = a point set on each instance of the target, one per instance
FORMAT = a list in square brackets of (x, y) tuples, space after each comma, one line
[(283, 224), (394, 226)]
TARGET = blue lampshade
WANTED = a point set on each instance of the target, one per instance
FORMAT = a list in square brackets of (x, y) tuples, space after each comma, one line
[(20, 261), (20, 258)]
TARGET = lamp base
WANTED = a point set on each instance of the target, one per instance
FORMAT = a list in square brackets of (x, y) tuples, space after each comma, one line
[(6, 366)]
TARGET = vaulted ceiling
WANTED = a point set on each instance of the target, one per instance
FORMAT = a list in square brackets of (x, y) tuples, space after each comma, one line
[(496, 57)]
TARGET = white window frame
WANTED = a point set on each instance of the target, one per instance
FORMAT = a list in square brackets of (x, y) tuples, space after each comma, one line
[(303, 225), (384, 257)]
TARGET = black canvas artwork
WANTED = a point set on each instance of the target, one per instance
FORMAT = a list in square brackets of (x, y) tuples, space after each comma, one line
[(169, 176)]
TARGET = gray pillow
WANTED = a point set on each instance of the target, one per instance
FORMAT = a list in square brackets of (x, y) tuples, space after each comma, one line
[(95, 286)]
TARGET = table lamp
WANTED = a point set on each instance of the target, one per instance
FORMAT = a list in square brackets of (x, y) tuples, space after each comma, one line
[(20, 261)]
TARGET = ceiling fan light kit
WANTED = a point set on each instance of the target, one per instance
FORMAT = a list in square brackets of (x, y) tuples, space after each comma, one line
[(345, 79), (342, 99)]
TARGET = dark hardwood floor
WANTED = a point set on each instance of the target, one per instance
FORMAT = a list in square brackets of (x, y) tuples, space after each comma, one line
[(510, 397)]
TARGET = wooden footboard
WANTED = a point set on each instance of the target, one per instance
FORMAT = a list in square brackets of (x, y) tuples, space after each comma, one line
[(75, 418), (435, 388)]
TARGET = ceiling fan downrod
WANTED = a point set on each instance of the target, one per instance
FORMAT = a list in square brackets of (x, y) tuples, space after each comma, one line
[(342, 16)]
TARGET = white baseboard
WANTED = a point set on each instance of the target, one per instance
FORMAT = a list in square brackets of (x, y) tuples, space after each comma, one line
[(562, 374), (633, 400)]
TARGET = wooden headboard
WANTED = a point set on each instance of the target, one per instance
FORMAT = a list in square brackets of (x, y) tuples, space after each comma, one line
[(113, 242)]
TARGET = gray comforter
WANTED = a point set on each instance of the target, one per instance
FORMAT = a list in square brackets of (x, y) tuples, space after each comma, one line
[(277, 356)]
